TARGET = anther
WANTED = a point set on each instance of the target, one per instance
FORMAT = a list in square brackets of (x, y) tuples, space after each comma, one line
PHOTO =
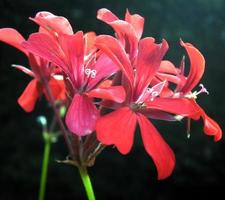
[(196, 93), (202, 90), (188, 128), (90, 72), (154, 94)]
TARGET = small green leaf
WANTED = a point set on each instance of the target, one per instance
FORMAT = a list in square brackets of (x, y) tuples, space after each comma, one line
[(62, 111)]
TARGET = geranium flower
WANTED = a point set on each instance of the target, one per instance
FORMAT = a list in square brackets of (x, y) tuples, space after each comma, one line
[(40, 70), (118, 127), (185, 85), (83, 75)]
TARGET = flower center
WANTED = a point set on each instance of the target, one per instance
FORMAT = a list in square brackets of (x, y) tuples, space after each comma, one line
[(137, 106), (151, 93)]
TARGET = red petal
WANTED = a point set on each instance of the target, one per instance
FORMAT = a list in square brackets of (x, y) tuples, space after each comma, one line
[(13, 38), (168, 67), (168, 77), (30, 95), (82, 115), (117, 128), (157, 114), (148, 61), (106, 15), (157, 148), (137, 22), (53, 23), (124, 31), (39, 66), (57, 88), (114, 93), (73, 47), (166, 92), (89, 42), (178, 106), (197, 67), (127, 36), (106, 83), (104, 68), (111, 47), (211, 127), (46, 47)]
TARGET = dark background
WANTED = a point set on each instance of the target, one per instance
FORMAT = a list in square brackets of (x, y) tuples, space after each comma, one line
[(200, 165)]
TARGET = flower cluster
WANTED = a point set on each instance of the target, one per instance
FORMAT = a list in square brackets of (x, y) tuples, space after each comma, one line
[(110, 85)]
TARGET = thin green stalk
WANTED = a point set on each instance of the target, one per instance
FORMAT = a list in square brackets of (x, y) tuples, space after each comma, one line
[(87, 183), (44, 171)]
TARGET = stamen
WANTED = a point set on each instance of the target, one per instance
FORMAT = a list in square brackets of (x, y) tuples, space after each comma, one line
[(56, 34), (182, 65), (202, 90), (151, 93), (58, 77), (156, 90), (90, 72), (149, 90), (93, 73), (178, 117), (188, 128), (196, 93), (154, 94)]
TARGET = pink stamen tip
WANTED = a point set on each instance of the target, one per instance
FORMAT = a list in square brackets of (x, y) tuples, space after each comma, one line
[(202, 90), (90, 72)]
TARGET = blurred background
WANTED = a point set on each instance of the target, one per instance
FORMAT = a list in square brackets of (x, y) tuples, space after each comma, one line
[(200, 165)]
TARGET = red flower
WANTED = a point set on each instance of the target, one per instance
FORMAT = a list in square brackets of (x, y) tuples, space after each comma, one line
[(41, 69), (118, 127), (83, 74), (85, 62), (185, 85)]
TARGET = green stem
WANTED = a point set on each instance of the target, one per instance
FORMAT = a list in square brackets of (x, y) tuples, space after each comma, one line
[(44, 170), (87, 183)]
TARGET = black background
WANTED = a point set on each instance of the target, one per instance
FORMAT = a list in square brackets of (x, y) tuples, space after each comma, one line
[(200, 165)]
